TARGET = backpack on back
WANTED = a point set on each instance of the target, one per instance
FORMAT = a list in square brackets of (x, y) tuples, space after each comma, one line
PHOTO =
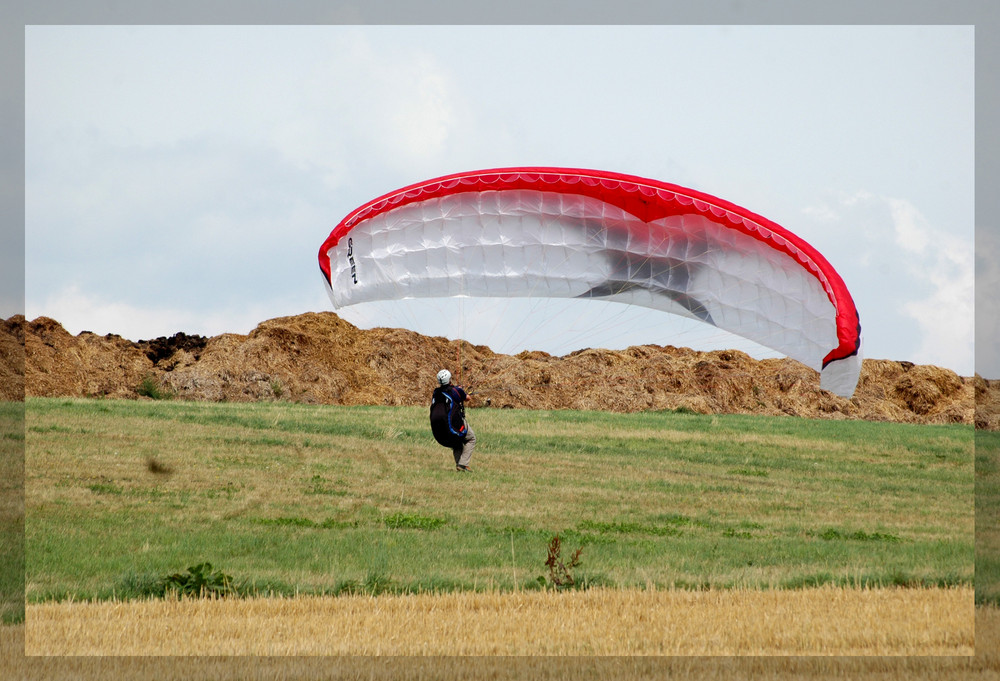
[(447, 417)]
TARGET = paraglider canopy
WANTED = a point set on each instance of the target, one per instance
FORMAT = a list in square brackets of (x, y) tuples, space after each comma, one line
[(574, 233)]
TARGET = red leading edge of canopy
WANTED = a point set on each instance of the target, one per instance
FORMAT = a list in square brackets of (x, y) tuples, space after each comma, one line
[(646, 199)]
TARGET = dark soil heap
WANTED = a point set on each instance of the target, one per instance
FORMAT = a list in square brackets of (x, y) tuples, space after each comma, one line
[(319, 358)]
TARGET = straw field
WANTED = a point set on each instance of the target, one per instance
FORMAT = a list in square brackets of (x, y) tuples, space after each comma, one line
[(984, 665), (823, 621)]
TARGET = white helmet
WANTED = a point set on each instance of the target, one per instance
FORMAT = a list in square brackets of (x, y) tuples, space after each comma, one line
[(444, 377)]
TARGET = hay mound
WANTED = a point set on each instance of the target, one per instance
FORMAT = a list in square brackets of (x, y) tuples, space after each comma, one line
[(319, 358), (987, 404), (12, 359), (57, 363)]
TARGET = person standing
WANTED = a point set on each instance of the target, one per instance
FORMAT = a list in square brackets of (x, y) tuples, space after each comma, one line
[(448, 422)]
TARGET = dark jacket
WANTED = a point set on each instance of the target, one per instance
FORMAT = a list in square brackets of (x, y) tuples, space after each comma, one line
[(448, 415)]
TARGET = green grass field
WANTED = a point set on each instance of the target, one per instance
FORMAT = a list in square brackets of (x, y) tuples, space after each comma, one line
[(306, 499), (988, 517), (11, 512)]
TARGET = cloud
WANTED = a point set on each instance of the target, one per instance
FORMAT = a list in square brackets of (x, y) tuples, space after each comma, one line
[(317, 95), (823, 213), (367, 99), (912, 232), (913, 281), (422, 124), (79, 311), (947, 316), (987, 302)]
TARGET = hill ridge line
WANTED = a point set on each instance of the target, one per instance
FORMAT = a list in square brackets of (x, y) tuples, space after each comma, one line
[(319, 358)]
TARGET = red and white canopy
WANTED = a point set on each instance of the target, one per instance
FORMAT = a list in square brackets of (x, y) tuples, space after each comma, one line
[(572, 233)]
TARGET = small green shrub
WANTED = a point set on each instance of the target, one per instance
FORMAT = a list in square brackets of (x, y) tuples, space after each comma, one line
[(199, 580), (833, 534), (374, 583), (320, 485), (296, 521), (149, 387), (413, 521), (753, 472), (105, 488)]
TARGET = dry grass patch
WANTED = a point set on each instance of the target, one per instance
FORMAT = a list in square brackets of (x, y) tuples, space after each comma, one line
[(984, 665), (824, 621)]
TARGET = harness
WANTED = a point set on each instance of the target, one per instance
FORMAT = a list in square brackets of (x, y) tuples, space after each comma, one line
[(448, 416), (452, 404)]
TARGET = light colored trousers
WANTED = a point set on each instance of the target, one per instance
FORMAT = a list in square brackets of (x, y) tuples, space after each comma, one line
[(463, 454)]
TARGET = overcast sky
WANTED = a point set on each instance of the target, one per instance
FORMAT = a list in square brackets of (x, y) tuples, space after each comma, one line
[(182, 178)]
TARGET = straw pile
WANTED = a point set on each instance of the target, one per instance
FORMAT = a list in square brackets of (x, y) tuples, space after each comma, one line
[(987, 404), (11, 358), (319, 358)]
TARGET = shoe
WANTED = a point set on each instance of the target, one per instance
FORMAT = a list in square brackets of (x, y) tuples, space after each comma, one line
[(463, 469)]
